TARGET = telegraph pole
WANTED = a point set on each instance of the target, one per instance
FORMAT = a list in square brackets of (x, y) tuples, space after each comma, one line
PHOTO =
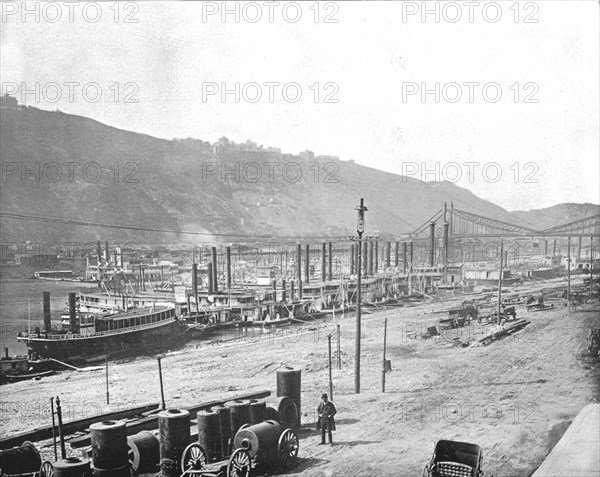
[(500, 278), (569, 275), (330, 376), (360, 228), (384, 349)]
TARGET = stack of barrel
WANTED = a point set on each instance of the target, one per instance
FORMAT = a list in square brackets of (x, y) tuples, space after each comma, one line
[(220, 429), (219, 426)]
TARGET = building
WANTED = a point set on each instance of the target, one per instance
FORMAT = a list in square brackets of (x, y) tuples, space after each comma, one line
[(307, 155), (9, 102)]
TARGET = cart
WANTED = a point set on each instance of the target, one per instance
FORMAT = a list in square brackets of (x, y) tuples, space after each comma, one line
[(454, 459), (46, 470), (194, 462)]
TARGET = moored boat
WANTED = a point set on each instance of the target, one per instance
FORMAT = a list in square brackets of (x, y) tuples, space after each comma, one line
[(132, 332)]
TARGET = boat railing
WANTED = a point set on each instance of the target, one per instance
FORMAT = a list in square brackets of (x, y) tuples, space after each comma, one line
[(71, 336)]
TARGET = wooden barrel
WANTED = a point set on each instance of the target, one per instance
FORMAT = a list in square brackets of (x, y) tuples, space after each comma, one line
[(209, 433), (224, 429), (239, 412), (260, 440), (286, 408), (109, 445), (144, 452), (174, 436), (289, 383), (258, 410), (72, 467)]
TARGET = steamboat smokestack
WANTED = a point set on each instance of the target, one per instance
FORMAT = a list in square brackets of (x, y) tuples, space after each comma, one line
[(47, 315), (215, 270), (432, 244), (228, 252), (73, 325), (330, 258)]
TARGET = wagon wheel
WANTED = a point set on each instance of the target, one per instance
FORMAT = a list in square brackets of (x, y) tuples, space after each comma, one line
[(287, 449), (239, 464), (47, 469), (243, 426), (193, 458)]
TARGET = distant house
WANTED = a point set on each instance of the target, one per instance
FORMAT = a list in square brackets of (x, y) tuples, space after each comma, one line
[(9, 102), (35, 258), (307, 155)]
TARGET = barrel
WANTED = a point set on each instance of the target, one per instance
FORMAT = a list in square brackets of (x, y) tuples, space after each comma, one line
[(174, 436), (72, 467), (289, 383), (271, 414), (224, 428), (286, 408), (258, 410), (260, 440), (239, 412), (209, 433), (20, 460), (109, 448), (144, 452)]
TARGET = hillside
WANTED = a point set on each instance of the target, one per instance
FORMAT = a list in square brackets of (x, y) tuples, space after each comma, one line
[(558, 214), (184, 185)]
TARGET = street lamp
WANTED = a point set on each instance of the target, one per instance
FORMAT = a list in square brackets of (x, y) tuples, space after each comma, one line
[(360, 228)]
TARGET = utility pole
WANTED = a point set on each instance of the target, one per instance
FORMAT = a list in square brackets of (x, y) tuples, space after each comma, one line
[(591, 265), (339, 353), (330, 378), (500, 278), (569, 275), (162, 392), (61, 436), (107, 393), (360, 228), (384, 349)]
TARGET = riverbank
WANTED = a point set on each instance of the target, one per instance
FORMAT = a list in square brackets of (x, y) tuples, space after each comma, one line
[(514, 398)]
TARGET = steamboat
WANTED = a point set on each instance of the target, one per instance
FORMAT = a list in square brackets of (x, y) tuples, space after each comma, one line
[(89, 336)]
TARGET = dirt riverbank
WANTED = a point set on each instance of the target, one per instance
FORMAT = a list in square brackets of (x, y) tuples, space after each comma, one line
[(514, 398)]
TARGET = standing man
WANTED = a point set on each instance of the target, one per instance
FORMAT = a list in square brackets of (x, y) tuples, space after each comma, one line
[(326, 412)]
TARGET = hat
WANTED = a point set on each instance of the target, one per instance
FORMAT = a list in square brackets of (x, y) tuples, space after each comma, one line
[(323, 396)]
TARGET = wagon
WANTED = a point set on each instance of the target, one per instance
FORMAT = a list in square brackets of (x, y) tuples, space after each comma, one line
[(243, 460), (24, 461), (46, 470), (454, 459)]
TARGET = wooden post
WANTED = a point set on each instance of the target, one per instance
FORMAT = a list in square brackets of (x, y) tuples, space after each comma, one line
[(569, 275), (358, 312), (500, 278), (330, 378), (162, 392), (384, 349), (53, 428), (63, 452), (106, 367), (339, 352), (591, 265)]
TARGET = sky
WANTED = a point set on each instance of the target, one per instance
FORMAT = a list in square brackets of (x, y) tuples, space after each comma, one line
[(501, 98)]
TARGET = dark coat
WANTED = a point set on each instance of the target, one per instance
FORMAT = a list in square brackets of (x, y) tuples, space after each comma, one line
[(327, 411)]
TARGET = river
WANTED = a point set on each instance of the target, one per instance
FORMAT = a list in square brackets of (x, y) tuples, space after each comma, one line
[(14, 307)]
